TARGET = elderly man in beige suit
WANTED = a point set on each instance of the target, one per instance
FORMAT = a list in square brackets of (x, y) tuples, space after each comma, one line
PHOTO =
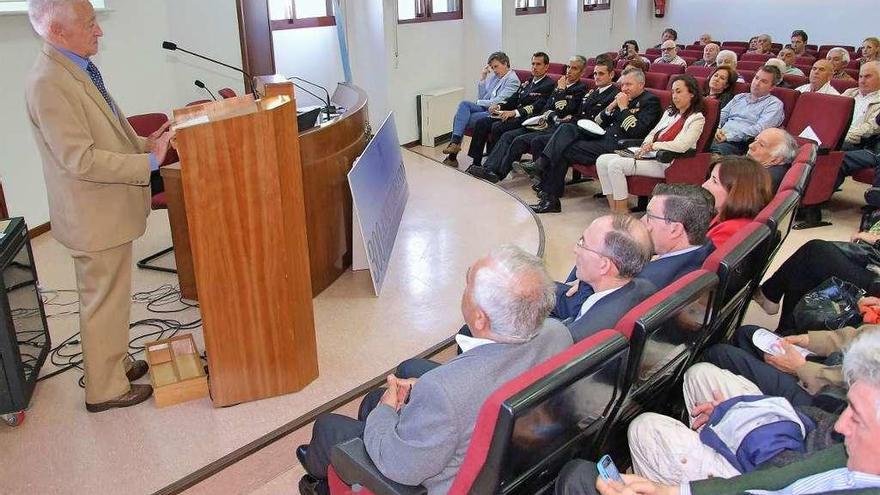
[(97, 173)]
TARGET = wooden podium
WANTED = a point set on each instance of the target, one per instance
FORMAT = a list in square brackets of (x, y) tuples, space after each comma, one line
[(245, 213)]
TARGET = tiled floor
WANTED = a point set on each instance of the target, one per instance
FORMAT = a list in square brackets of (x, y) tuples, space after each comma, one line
[(136, 450), (141, 449)]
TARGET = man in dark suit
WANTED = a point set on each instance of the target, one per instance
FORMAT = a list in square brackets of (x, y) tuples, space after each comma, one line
[(513, 144), (853, 469), (611, 252), (529, 100), (677, 218), (631, 115)]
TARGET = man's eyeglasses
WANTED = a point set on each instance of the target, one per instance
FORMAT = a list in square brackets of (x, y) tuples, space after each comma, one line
[(580, 243), (657, 217)]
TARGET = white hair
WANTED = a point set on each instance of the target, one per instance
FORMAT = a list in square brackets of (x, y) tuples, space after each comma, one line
[(787, 150), (861, 362), (515, 292), (778, 63), (43, 13), (844, 53), (726, 55)]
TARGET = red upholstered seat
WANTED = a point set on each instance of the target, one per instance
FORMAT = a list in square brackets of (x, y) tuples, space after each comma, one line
[(842, 85), (738, 44), (778, 216), (159, 201), (804, 59), (747, 76), (656, 80), (865, 176), (749, 64), (523, 74), (226, 93), (795, 178), (670, 69), (665, 333), (795, 81), (698, 71), (737, 263), (758, 57), (148, 123), (504, 449), (789, 99), (556, 68)]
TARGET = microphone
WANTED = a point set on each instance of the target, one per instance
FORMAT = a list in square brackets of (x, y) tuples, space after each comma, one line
[(307, 91), (200, 84), (329, 106), (168, 45)]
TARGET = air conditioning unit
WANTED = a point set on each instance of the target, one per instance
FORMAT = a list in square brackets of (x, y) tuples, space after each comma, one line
[(436, 108)]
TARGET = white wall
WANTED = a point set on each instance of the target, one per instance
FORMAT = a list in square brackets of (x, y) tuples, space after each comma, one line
[(482, 36), (524, 35), (312, 54), (365, 31), (604, 30), (141, 76)]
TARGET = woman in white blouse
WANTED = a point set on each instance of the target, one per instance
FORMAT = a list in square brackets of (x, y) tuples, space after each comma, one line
[(678, 131)]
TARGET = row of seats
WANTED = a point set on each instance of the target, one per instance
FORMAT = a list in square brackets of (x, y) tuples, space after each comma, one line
[(827, 115), (580, 402)]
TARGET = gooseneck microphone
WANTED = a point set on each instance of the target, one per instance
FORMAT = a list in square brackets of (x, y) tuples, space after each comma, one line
[(306, 91), (168, 45), (329, 106), (200, 84)]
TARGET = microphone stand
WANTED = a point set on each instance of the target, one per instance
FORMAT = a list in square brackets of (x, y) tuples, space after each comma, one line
[(173, 47), (317, 86)]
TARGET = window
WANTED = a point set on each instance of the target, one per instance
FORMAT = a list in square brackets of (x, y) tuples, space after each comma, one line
[(526, 7), (20, 6), (428, 10), (294, 14), (591, 5)]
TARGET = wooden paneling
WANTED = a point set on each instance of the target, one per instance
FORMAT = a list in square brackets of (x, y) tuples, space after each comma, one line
[(179, 230), (249, 245), (255, 33), (327, 156)]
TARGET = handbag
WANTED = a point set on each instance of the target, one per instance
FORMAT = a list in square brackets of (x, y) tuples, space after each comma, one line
[(832, 305)]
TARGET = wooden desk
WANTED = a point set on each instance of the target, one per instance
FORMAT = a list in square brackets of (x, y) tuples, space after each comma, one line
[(327, 155)]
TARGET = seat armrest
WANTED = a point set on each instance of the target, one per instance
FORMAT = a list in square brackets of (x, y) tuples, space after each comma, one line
[(629, 143), (354, 466)]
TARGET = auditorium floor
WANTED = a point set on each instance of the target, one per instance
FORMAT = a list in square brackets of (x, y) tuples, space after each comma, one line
[(62, 449)]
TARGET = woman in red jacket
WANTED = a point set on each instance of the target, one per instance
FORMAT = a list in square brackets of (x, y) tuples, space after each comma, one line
[(741, 188)]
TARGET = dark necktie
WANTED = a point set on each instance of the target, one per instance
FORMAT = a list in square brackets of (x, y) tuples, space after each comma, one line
[(95, 74)]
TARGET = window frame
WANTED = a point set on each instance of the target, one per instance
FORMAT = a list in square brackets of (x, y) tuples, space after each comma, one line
[(605, 5), (532, 10), (430, 16), (304, 22)]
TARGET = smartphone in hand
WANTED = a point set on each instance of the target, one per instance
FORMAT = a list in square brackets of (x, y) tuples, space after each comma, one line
[(607, 470)]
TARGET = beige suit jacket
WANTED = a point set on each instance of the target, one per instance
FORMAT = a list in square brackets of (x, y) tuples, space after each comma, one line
[(814, 376), (97, 174), (866, 127)]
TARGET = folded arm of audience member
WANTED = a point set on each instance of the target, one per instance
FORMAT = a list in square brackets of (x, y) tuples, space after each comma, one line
[(829, 470)]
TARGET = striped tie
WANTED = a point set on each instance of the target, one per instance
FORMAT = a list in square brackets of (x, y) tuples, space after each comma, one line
[(95, 74)]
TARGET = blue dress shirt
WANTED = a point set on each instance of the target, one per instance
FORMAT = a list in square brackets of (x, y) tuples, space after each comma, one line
[(745, 117)]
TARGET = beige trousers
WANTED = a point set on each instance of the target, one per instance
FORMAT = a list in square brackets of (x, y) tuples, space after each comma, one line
[(667, 451), (103, 280), (613, 169)]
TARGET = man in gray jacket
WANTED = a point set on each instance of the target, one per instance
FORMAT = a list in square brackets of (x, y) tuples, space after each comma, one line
[(417, 431)]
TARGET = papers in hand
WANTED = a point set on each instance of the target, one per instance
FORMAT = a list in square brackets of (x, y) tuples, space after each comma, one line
[(771, 343), (809, 133), (591, 127)]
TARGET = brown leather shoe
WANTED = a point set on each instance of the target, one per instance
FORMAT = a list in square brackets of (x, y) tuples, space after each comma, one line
[(452, 149), (138, 369), (136, 395)]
